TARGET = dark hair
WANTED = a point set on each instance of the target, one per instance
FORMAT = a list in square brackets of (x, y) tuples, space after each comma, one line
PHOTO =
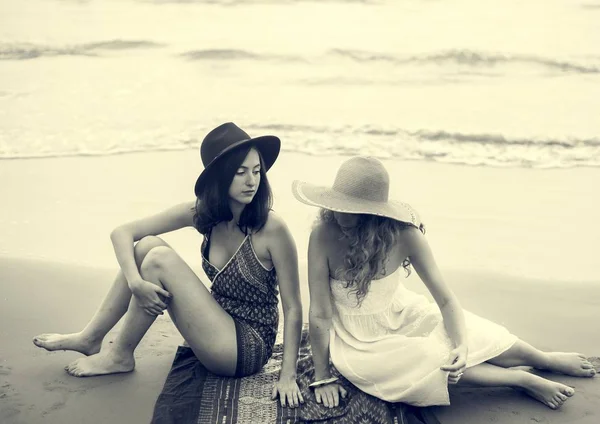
[(212, 206), (370, 243)]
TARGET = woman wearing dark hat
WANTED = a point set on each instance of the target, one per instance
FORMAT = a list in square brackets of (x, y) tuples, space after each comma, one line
[(247, 253), (385, 339)]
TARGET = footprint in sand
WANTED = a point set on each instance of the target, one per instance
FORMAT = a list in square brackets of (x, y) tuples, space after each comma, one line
[(55, 407), (63, 390), (5, 370), (62, 387), (6, 389), (10, 402), (8, 412), (595, 361)]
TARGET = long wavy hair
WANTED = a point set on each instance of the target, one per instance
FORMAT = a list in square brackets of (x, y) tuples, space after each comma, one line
[(212, 206), (370, 243)]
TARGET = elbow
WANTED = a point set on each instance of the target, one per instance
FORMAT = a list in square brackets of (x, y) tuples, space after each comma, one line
[(120, 232), (114, 234), (450, 303), (293, 311), (319, 317)]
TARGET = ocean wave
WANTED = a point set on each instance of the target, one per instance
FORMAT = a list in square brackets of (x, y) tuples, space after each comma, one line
[(481, 149), (435, 135), (12, 155), (418, 80), (235, 54), (24, 51), (257, 2), (502, 140), (467, 58)]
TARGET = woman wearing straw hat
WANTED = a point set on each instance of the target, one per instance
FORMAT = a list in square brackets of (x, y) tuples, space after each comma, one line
[(385, 339), (247, 252)]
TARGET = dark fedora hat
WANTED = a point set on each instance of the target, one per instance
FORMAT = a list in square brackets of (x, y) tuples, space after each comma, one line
[(227, 137)]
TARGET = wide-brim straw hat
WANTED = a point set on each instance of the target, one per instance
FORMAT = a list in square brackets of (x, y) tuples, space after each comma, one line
[(227, 137), (361, 186)]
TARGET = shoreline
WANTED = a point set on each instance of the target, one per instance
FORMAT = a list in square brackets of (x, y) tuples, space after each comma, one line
[(534, 223)]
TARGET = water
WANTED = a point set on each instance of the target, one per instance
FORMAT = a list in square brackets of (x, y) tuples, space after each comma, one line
[(506, 83)]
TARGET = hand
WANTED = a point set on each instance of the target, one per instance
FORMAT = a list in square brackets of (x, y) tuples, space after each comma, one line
[(289, 392), (457, 364), (329, 394), (151, 298)]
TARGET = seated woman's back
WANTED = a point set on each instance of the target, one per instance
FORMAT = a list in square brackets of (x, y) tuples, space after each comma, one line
[(336, 246)]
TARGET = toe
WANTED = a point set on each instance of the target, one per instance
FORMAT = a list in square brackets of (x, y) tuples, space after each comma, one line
[(39, 340), (76, 372), (568, 391), (561, 397), (71, 367), (551, 404)]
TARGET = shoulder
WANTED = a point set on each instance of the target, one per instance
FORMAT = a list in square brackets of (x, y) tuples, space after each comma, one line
[(181, 211), (324, 233), (275, 225), (413, 239), (188, 207), (275, 229)]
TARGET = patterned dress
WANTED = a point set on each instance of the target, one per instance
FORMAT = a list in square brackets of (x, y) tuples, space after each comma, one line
[(248, 292), (393, 345)]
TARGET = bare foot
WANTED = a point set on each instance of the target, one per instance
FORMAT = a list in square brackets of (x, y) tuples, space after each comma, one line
[(550, 393), (105, 362), (573, 364), (74, 341)]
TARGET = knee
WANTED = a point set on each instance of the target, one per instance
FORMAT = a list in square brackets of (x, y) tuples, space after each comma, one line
[(144, 246), (157, 258)]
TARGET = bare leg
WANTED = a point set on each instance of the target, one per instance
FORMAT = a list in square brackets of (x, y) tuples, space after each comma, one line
[(550, 393), (113, 307), (523, 354), (209, 330)]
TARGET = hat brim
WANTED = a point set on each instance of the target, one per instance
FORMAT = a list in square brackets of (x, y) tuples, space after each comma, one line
[(327, 198), (268, 146)]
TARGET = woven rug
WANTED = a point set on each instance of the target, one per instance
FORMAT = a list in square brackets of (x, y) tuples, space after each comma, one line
[(191, 394)]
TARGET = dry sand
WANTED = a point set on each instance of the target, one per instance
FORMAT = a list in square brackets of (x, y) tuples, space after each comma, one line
[(517, 246)]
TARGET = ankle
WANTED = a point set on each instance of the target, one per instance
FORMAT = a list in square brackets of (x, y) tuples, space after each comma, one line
[(544, 362), (121, 354), (91, 338), (524, 379)]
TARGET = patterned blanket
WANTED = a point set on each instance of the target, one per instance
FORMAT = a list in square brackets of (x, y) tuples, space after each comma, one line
[(191, 394)]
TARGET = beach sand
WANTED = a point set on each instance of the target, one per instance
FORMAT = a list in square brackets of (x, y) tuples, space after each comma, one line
[(516, 245)]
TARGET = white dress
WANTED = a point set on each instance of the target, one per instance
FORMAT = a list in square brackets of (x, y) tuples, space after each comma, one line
[(394, 344)]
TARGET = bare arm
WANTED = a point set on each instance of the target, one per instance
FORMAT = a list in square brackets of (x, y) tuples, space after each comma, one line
[(124, 236), (285, 259), (284, 256), (320, 312), (320, 315), (422, 260)]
